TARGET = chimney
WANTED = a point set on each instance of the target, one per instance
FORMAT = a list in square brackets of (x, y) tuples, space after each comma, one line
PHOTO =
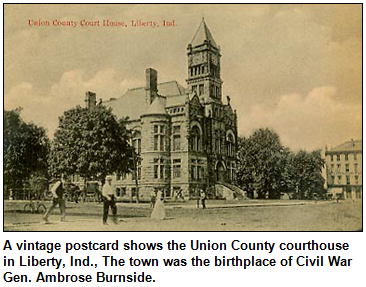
[(90, 100), (151, 85)]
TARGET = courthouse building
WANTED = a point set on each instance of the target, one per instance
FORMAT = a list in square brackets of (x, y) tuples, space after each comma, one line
[(344, 170), (186, 137)]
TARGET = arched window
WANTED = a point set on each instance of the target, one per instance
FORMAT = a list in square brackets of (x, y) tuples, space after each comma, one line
[(230, 144), (136, 141), (195, 139)]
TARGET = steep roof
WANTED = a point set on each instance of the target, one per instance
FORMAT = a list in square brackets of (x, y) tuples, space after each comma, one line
[(202, 34), (174, 101), (157, 107), (133, 103), (348, 146)]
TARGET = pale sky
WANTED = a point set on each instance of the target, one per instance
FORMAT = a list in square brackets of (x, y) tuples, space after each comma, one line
[(294, 68)]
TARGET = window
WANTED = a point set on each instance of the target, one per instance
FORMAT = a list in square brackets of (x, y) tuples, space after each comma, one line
[(197, 169), (156, 139), (348, 180), (230, 145), (118, 192), (332, 167), (156, 168), (356, 168), (339, 179), (347, 167), (160, 140), (356, 179), (338, 167), (355, 156), (161, 168), (194, 89), (176, 138), (338, 157), (231, 167), (201, 90), (195, 139), (176, 168), (218, 92), (346, 156), (136, 141), (133, 191), (331, 157)]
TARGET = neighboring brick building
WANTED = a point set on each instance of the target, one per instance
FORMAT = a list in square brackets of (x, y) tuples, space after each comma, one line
[(344, 170), (186, 137)]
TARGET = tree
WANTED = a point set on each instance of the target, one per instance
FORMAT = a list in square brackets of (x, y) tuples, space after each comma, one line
[(269, 169), (91, 143), (262, 162), (307, 176), (26, 148)]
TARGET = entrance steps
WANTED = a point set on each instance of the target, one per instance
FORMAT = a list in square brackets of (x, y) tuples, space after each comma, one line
[(229, 191)]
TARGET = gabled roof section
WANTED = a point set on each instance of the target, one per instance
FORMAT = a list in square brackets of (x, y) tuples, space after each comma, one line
[(171, 88), (202, 34), (157, 107), (348, 146)]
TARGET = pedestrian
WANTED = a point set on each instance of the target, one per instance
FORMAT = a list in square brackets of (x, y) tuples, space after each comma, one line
[(58, 192), (109, 200), (203, 199), (152, 198), (158, 212)]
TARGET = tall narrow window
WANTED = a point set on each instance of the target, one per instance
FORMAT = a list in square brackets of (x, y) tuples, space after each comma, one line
[(348, 180), (201, 90), (160, 140), (230, 145), (195, 140), (156, 168), (176, 138), (176, 168), (136, 141)]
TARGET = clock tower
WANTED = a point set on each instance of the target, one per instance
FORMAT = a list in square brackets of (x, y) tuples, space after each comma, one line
[(204, 66)]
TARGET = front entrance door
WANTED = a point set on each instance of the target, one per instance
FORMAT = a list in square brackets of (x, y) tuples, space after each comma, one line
[(220, 172)]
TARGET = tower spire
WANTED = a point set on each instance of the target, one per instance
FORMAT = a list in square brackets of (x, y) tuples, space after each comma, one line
[(203, 34)]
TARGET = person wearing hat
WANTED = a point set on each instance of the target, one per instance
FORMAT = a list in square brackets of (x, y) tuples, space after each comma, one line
[(109, 199), (57, 191)]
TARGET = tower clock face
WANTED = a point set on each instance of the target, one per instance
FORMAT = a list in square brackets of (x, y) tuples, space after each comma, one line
[(197, 58)]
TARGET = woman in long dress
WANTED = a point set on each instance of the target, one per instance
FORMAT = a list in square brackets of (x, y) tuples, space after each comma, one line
[(158, 212)]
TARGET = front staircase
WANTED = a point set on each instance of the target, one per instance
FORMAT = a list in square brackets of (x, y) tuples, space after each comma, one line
[(229, 191)]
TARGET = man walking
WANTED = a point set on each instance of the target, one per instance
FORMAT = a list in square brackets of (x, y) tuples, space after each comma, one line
[(202, 198), (57, 199), (109, 199)]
